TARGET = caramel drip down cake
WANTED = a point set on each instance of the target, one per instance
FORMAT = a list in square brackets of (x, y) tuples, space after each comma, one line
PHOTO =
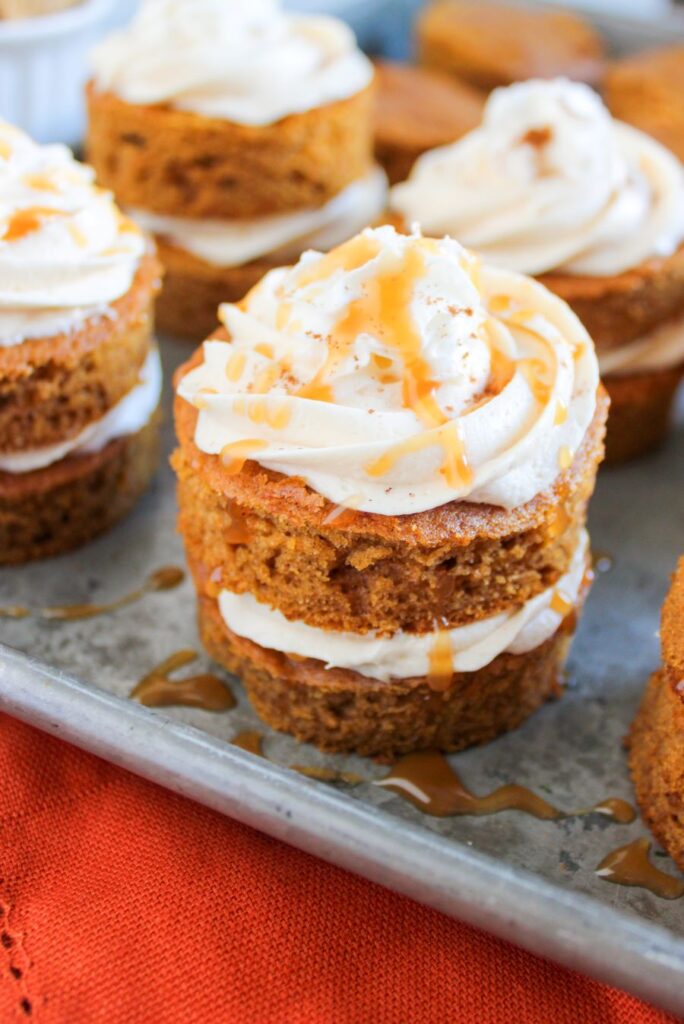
[(384, 463), (239, 135), (550, 185), (656, 745), (80, 377)]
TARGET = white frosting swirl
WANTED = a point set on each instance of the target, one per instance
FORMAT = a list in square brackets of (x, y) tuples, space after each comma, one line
[(224, 243), (395, 375), (408, 655), (127, 417), (65, 249), (550, 182), (242, 60)]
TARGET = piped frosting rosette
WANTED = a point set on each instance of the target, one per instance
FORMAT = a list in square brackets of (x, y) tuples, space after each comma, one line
[(396, 374), (66, 251), (550, 181)]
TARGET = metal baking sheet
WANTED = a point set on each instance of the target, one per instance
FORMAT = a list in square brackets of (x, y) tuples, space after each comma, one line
[(529, 881)]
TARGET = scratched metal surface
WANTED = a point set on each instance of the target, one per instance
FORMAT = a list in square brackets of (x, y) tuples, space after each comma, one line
[(570, 751)]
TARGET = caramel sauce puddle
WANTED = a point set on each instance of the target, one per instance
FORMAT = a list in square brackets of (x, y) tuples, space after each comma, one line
[(428, 782), (252, 742), (630, 865), (157, 690)]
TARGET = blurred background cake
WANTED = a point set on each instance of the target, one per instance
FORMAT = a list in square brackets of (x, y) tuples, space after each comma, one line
[(418, 109), (239, 135)]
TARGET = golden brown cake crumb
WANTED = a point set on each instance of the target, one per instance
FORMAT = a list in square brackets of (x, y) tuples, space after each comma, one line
[(490, 44)]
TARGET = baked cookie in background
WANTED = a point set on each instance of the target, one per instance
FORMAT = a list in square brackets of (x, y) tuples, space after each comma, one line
[(418, 109), (489, 45), (550, 185), (80, 377), (239, 135)]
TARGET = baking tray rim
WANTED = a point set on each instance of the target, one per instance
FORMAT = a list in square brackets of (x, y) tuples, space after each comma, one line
[(608, 944)]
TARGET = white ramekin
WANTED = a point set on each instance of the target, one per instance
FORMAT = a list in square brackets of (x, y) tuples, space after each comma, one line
[(43, 67)]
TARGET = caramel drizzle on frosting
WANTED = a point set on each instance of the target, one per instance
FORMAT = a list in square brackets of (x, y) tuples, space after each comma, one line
[(384, 309), (24, 222)]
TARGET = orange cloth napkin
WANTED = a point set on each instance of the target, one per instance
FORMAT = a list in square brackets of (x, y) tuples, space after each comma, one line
[(122, 903)]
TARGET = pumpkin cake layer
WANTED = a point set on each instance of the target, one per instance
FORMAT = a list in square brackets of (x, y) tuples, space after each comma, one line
[(340, 710), (180, 163), (358, 571), (53, 510), (656, 747), (490, 45), (418, 109), (52, 388)]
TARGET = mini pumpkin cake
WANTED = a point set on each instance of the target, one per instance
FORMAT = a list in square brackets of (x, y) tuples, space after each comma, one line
[(656, 747), (494, 44), (550, 185), (80, 377), (647, 90), (239, 135), (418, 109), (385, 458)]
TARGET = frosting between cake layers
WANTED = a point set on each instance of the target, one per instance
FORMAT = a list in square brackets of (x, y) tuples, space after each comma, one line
[(660, 349), (66, 251), (550, 181), (410, 655), (396, 374), (232, 243), (127, 417), (245, 61)]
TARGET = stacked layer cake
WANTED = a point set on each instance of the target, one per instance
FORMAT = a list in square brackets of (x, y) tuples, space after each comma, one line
[(385, 459), (80, 377), (239, 135)]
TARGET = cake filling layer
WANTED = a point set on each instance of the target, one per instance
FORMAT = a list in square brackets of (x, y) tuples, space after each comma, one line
[(125, 418), (66, 251), (224, 243), (396, 374), (661, 349), (246, 61), (406, 655), (550, 182)]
